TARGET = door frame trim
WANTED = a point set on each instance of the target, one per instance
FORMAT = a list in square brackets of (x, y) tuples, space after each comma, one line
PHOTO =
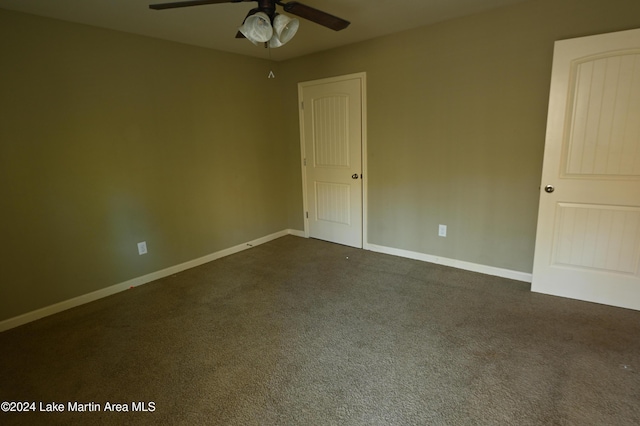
[(362, 76)]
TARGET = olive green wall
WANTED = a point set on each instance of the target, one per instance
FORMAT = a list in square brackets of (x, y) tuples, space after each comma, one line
[(108, 139), (456, 125)]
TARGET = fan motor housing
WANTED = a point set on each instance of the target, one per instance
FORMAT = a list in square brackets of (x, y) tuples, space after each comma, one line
[(268, 7)]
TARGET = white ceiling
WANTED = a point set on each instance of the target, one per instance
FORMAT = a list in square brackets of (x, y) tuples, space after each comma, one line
[(214, 26)]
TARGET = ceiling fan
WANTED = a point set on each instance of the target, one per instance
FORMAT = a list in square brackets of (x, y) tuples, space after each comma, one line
[(263, 24)]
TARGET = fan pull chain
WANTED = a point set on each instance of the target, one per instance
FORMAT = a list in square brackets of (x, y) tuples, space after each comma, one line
[(271, 74)]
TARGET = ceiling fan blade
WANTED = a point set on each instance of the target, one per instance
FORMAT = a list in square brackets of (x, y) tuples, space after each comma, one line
[(161, 6), (315, 15)]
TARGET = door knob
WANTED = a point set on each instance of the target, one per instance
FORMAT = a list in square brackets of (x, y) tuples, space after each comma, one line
[(549, 189), (354, 176)]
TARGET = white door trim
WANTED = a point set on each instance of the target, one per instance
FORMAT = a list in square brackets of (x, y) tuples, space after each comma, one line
[(362, 76)]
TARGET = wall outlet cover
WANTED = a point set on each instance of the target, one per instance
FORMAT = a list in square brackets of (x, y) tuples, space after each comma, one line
[(142, 248)]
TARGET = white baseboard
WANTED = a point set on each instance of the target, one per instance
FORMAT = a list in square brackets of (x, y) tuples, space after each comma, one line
[(108, 291), (460, 264), (297, 233)]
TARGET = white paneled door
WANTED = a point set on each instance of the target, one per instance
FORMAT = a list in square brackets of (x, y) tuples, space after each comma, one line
[(588, 237), (331, 117)]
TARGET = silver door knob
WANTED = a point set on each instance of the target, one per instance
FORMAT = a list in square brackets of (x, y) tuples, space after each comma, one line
[(354, 176), (549, 189)]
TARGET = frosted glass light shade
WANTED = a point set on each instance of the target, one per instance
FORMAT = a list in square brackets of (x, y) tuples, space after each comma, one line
[(257, 28), (284, 30)]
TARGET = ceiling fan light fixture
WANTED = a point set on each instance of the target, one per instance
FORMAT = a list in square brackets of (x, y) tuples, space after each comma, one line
[(263, 25), (257, 28), (284, 29)]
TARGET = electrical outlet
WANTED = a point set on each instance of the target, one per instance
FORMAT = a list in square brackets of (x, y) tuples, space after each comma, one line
[(442, 230), (142, 248)]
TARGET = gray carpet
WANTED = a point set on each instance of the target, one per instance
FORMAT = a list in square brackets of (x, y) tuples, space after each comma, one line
[(304, 332)]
